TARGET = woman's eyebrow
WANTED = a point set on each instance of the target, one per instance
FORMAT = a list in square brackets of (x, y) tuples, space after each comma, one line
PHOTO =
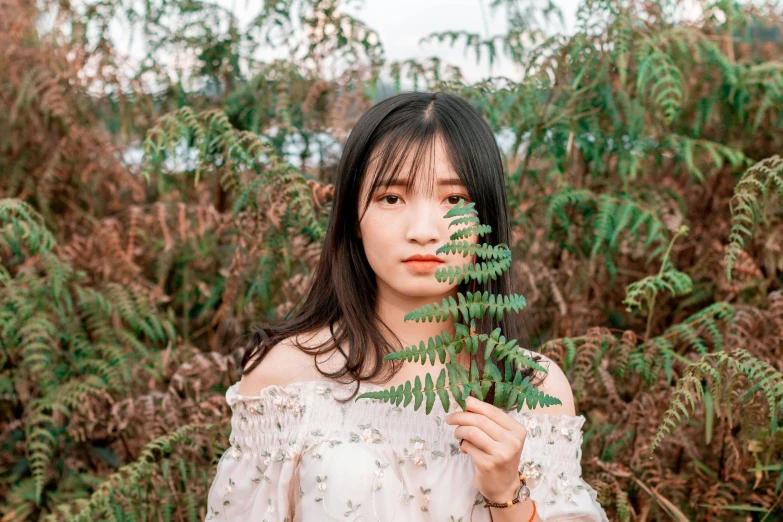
[(442, 182)]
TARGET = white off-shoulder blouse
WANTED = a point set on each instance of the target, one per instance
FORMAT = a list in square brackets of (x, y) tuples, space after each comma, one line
[(298, 455)]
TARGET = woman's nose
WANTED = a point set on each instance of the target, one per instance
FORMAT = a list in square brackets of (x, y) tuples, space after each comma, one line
[(424, 223)]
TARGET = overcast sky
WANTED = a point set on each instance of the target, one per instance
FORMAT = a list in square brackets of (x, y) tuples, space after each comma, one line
[(401, 23)]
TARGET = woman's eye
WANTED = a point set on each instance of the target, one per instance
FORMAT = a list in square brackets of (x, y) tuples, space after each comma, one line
[(455, 199)]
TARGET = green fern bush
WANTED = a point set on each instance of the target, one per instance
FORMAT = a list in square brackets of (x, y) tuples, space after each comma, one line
[(65, 342), (225, 153), (621, 133), (723, 373), (512, 389), (120, 495)]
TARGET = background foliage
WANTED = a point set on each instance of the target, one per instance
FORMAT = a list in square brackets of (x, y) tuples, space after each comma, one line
[(645, 178)]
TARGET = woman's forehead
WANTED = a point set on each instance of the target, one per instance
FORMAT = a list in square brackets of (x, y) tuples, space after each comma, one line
[(431, 167)]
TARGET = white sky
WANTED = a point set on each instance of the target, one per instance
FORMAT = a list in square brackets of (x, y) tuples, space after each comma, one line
[(401, 23)]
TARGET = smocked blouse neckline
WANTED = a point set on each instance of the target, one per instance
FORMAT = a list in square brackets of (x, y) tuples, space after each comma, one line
[(233, 396)]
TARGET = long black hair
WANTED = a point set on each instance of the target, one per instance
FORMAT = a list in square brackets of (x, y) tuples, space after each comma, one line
[(343, 287)]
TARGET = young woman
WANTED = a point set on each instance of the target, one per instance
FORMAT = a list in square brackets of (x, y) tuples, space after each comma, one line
[(302, 449)]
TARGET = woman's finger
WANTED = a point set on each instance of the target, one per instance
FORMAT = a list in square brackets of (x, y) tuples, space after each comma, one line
[(478, 438), (487, 425), (476, 454), (500, 417)]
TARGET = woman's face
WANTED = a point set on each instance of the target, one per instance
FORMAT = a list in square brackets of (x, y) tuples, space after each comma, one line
[(398, 225)]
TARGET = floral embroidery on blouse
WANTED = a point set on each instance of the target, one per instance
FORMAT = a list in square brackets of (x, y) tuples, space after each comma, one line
[(368, 435), (257, 480), (415, 455), (292, 404), (321, 487), (425, 498), (533, 429), (351, 508)]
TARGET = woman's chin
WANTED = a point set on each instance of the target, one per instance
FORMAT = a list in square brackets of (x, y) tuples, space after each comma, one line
[(430, 291)]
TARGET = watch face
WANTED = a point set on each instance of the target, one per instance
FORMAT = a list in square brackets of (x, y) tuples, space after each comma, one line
[(523, 493)]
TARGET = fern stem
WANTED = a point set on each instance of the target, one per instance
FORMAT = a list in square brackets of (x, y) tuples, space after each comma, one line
[(683, 230)]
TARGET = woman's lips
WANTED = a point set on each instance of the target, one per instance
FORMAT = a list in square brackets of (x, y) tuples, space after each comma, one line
[(423, 266)]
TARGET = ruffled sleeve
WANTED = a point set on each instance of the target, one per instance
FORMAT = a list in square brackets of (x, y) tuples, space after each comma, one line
[(257, 476), (551, 459)]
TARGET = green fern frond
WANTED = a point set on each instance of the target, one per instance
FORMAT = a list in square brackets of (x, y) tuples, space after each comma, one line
[(514, 391), (691, 331), (682, 392), (622, 32), (690, 148), (510, 386), (481, 272), (20, 223), (478, 230), (660, 80), (437, 347), (41, 443), (38, 346), (763, 375), (713, 52), (690, 390), (565, 197), (768, 77), (73, 395), (749, 203), (617, 216), (640, 293), (468, 249), (647, 289), (474, 306)]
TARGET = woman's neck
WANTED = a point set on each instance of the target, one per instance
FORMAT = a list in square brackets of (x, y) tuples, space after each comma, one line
[(391, 308)]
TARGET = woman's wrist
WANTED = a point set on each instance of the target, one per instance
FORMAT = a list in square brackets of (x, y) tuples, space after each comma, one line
[(520, 507), (510, 493), (520, 512)]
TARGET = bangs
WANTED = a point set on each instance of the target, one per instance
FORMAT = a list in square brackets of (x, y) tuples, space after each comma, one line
[(388, 158)]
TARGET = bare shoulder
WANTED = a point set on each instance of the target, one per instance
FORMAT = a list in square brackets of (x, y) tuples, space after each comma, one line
[(555, 384), (285, 363)]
